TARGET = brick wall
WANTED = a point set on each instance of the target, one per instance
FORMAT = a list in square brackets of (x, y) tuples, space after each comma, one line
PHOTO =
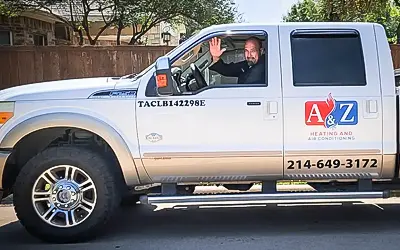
[(28, 31)]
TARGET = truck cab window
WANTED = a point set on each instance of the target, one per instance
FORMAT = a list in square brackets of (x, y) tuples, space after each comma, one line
[(327, 59), (227, 61), (224, 61)]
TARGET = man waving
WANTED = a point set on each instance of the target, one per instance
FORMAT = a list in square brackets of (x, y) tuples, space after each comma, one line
[(249, 71)]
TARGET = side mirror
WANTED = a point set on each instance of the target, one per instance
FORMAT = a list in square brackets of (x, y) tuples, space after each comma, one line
[(164, 77)]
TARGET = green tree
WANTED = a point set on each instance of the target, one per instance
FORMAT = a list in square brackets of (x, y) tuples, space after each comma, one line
[(304, 11), (142, 15), (385, 12), (337, 10), (351, 10), (395, 15), (210, 12), (7, 9)]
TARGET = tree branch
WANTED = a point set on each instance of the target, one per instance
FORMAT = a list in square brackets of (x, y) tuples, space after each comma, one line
[(101, 31)]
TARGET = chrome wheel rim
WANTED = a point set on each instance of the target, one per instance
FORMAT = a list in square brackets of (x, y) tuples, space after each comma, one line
[(64, 196)]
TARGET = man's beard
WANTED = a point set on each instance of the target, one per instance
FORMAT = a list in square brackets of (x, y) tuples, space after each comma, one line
[(251, 62)]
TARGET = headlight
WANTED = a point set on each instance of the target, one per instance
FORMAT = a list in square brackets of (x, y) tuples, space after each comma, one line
[(6, 112)]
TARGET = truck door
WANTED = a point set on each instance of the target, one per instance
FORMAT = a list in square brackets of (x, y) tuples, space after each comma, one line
[(332, 102), (227, 131)]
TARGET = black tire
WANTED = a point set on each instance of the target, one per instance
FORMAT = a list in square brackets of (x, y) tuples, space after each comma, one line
[(130, 200), (104, 176)]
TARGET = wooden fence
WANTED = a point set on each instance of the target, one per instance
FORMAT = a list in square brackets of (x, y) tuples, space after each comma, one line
[(28, 64), (395, 49)]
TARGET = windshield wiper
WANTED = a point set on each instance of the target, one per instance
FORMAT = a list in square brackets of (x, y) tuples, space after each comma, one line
[(130, 76)]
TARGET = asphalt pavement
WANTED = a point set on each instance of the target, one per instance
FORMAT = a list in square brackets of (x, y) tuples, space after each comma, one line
[(373, 224)]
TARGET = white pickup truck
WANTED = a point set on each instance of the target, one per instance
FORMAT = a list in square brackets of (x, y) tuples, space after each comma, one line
[(324, 110)]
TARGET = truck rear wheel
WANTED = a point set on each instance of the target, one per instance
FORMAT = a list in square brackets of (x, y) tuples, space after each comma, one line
[(66, 194)]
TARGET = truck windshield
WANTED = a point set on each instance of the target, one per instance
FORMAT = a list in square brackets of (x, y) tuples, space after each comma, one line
[(167, 54)]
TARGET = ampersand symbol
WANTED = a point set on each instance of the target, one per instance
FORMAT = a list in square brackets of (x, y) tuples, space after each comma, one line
[(331, 120)]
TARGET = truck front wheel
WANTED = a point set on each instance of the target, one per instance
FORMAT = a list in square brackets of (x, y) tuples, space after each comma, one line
[(66, 194)]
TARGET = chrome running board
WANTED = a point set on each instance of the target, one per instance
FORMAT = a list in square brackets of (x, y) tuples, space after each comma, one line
[(262, 197)]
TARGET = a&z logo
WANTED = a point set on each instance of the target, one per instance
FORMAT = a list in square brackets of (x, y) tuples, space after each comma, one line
[(331, 113)]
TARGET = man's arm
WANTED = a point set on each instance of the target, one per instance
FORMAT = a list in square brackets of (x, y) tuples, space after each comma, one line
[(228, 69), (231, 69)]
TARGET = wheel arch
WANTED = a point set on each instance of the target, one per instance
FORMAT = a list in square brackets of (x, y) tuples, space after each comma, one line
[(77, 121)]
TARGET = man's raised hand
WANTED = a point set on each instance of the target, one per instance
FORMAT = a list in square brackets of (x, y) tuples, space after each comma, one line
[(215, 48)]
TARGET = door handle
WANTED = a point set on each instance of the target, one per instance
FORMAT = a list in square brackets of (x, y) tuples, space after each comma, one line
[(253, 103), (371, 110), (372, 106), (272, 107), (270, 110)]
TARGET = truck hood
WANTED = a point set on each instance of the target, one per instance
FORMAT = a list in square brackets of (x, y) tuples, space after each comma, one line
[(80, 88)]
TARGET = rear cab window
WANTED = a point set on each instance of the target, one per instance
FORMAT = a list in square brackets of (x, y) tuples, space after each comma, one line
[(320, 59)]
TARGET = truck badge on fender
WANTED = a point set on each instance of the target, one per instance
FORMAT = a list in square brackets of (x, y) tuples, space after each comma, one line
[(331, 113), (153, 137)]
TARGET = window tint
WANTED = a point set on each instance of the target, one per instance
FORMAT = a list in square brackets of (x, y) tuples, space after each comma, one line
[(327, 59), (5, 38)]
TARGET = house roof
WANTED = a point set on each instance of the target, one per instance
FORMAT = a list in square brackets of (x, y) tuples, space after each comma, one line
[(40, 15)]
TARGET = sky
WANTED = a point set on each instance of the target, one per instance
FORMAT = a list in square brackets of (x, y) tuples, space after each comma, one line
[(264, 10)]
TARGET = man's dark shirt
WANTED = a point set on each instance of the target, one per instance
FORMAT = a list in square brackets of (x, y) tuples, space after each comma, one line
[(245, 73)]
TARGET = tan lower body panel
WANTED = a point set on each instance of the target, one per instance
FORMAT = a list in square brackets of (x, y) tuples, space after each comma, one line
[(3, 159), (143, 175), (388, 166), (209, 167), (269, 165)]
